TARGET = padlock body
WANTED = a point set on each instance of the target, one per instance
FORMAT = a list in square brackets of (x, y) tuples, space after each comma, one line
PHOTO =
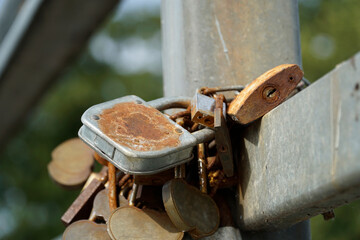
[(135, 137), (202, 110)]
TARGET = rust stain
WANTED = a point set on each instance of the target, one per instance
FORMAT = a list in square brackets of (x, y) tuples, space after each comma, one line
[(138, 127), (112, 187)]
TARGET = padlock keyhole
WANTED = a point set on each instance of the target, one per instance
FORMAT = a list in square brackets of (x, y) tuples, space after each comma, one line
[(270, 94)]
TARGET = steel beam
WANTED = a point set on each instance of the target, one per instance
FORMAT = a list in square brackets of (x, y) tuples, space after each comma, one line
[(214, 42), (8, 11), (40, 43), (304, 158)]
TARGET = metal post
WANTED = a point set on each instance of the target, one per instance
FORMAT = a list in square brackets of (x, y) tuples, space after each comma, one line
[(8, 11), (213, 43)]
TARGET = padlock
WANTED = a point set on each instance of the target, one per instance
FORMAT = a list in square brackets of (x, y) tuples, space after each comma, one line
[(222, 137), (101, 209), (136, 137), (265, 93), (85, 229), (202, 109), (71, 163), (133, 223), (190, 209)]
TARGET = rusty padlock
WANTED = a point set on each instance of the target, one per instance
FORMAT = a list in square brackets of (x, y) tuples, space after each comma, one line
[(222, 137), (265, 93), (136, 137), (202, 109), (191, 209)]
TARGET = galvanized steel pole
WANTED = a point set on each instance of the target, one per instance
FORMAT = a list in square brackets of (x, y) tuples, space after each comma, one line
[(213, 43), (8, 11)]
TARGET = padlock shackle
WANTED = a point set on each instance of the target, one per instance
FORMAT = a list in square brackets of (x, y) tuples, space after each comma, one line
[(203, 135), (170, 102)]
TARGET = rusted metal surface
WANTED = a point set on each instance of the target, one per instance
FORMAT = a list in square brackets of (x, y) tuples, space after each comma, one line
[(138, 127), (102, 176), (329, 215), (180, 114), (137, 138), (124, 179), (265, 93), (202, 110), (202, 168), (215, 179), (212, 161), (112, 187), (170, 102), (194, 127), (212, 90), (81, 207), (100, 160), (222, 138)]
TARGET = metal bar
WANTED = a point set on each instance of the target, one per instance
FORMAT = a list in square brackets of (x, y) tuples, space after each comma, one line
[(40, 43), (218, 43), (8, 11), (16, 32), (305, 159)]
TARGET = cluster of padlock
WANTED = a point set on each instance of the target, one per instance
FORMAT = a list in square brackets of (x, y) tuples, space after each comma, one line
[(162, 168)]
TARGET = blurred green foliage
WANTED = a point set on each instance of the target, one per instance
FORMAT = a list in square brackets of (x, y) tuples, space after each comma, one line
[(31, 204), (330, 34)]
